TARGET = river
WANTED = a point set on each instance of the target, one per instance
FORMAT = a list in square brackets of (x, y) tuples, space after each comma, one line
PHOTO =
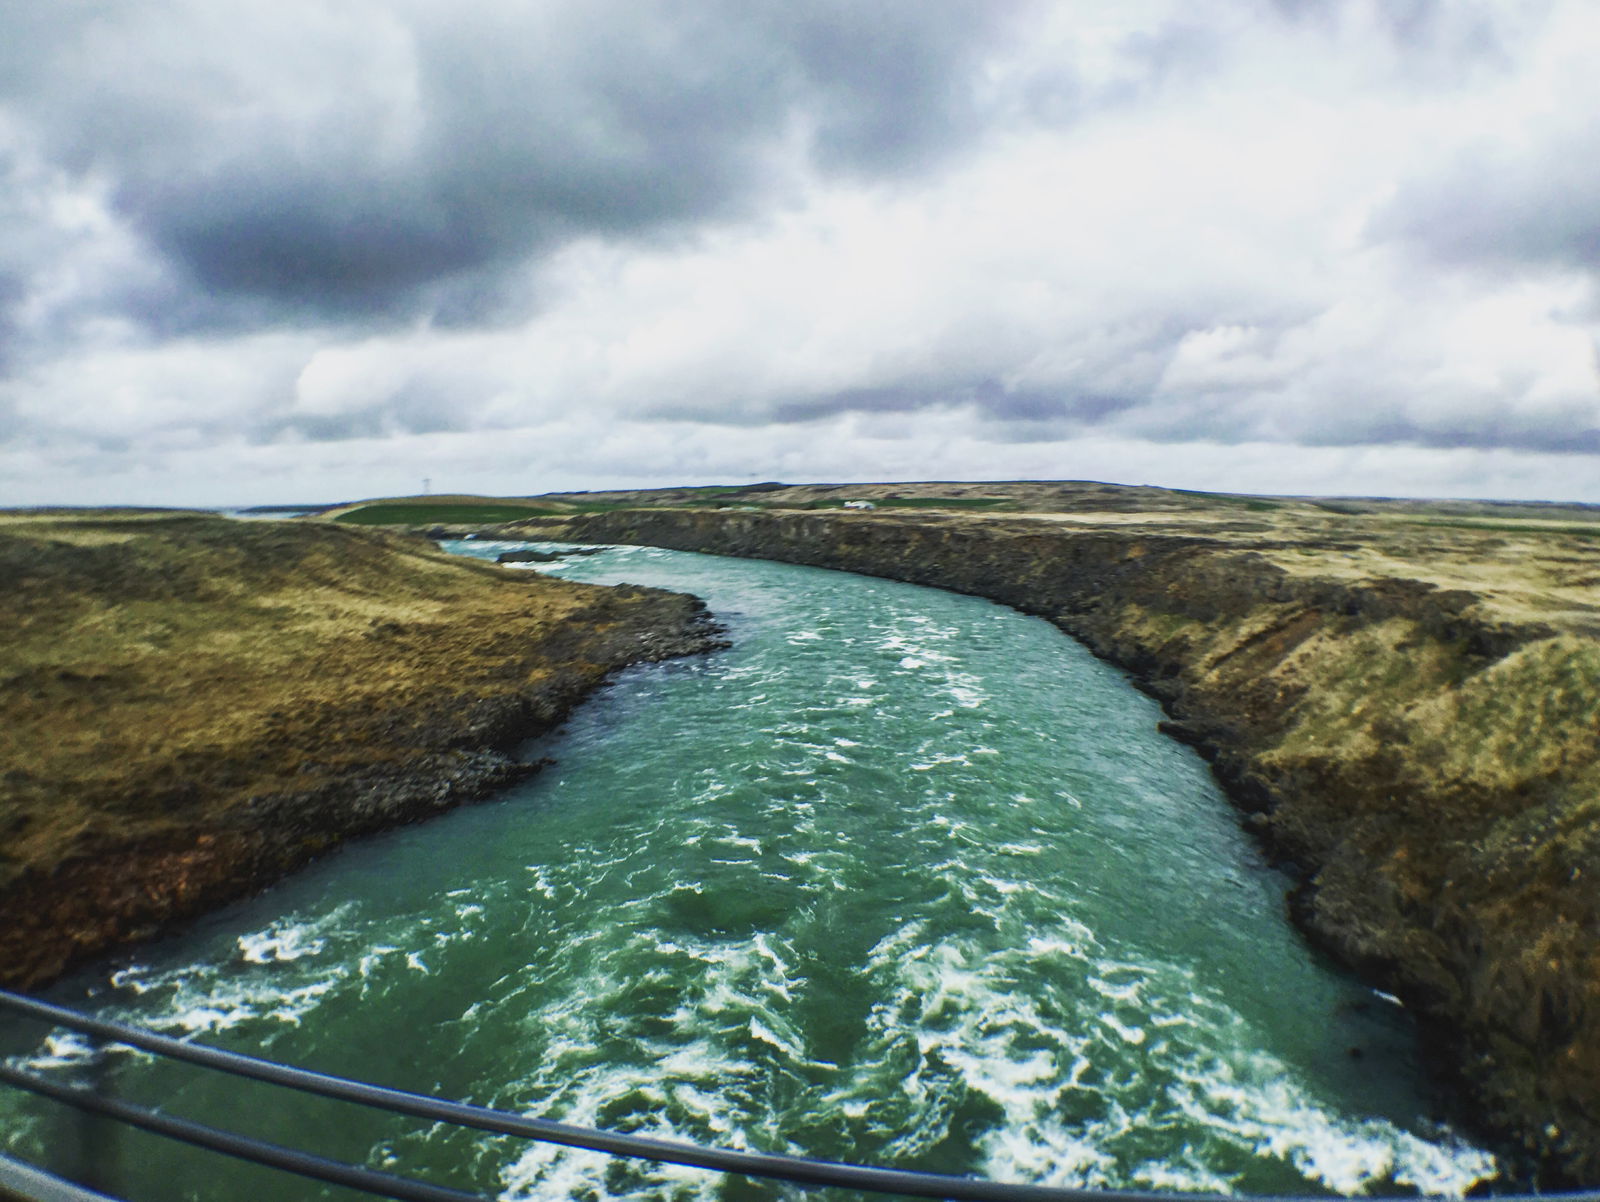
[(903, 877)]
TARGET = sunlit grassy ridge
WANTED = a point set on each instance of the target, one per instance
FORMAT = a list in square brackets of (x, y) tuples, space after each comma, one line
[(141, 647), (422, 513), (1526, 527)]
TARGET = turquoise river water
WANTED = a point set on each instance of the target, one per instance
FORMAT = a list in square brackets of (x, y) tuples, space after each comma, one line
[(903, 877)]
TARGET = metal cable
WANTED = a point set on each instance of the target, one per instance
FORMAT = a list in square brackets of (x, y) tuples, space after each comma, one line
[(241, 1147), (797, 1169), (25, 1182)]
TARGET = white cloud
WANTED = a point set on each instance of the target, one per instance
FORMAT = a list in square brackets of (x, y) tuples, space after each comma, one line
[(1226, 243)]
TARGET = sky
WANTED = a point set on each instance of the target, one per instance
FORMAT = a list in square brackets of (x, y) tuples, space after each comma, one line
[(309, 250)]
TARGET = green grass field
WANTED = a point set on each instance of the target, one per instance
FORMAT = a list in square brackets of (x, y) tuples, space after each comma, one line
[(1253, 504), (944, 502), (1525, 528), (422, 514)]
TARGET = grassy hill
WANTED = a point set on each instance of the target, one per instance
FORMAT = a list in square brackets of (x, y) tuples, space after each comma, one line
[(191, 706)]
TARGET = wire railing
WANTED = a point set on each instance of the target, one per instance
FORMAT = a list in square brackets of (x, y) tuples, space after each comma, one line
[(95, 1099), (795, 1169)]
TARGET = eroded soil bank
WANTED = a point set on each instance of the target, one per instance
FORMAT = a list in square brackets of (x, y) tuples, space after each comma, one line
[(191, 707), (1410, 723)]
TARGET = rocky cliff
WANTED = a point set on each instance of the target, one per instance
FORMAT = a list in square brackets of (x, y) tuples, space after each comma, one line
[(1421, 752), (192, 707)]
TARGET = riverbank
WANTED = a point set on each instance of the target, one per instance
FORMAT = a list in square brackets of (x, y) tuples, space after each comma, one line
[(193, 707), (1402, 704)]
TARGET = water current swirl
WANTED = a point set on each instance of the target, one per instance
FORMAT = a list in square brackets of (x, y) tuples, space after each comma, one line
[(903, 877)]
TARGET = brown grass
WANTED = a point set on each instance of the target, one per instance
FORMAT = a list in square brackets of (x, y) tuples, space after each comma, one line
[(164, 669)]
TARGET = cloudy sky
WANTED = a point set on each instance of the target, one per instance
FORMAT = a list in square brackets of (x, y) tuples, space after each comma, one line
[(284, 250)]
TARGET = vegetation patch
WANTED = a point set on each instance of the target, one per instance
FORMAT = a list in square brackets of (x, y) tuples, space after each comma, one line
[(421, 513), (1253, 504), (979, 503), (944, 503), (1533, 527), (592, 506)]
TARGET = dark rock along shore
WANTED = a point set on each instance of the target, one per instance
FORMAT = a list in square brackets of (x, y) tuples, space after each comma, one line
[(1445, 855)]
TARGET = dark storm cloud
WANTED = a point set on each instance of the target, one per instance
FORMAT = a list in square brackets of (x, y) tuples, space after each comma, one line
[(425, 403), (12, 427), (886, 85), (13, 288), (1146, 410), (20, 253), (988, 398), (910, 395), (1505, 206), (686, 235), (1189, 419), (404, 154), (1438, 38), (1550, 435), (905, 398), (407, 412)]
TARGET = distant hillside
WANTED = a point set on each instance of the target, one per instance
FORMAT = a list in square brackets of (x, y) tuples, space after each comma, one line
[(1000, 497)]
